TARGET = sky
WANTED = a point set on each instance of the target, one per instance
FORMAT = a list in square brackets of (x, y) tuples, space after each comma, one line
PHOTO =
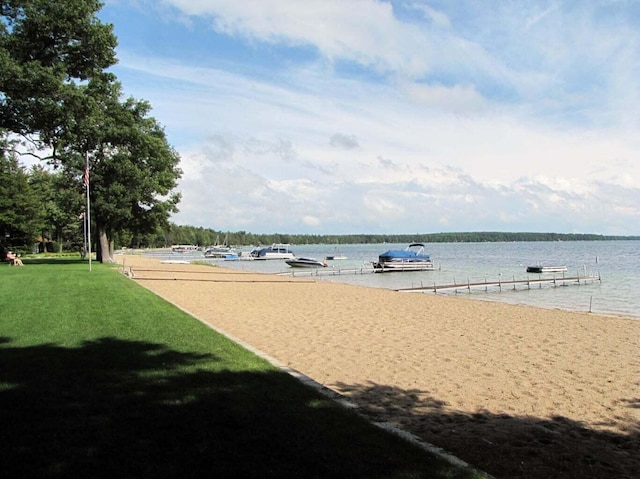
[(393, 117)]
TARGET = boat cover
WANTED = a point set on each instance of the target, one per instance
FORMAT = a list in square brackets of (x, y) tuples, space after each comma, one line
[(402, 254)]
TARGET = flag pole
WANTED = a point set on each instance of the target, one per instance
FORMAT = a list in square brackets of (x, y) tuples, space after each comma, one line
[(84, 230), (88, 215)]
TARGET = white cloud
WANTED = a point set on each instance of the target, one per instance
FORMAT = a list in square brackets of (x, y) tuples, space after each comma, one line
[(311, 221)]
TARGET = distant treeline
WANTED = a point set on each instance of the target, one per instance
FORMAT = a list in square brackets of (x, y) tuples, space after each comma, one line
[(205, 237)]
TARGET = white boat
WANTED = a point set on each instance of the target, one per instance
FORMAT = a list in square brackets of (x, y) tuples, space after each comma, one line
[(222, 252), (275, 251), (335, 256), (412, 258), (245, 256), (184, 248), (306, 263), (546, 269)]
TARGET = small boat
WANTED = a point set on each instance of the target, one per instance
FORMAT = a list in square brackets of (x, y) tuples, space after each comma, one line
[(222, 252), (335, 256), (412, 258), (184, 248), (306, 263), (275, 251), (546, 269), (231, 255), (245, 256)]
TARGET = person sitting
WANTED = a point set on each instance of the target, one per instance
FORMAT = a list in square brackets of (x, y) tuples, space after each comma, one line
[(13, 258)]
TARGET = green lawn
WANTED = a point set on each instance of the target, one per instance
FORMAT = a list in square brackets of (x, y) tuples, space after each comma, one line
[(101, 378)]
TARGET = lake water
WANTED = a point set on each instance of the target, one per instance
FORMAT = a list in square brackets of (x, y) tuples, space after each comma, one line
[(617, 263)]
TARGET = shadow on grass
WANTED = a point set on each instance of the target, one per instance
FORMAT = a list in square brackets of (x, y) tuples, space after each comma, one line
[(56, 260), (112, 408), (508, 446)]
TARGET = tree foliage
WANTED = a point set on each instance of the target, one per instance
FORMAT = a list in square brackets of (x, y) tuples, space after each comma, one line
[(207, 236), (57, 96), (59, 206), (46, 46), (20, 218), (133, 170)]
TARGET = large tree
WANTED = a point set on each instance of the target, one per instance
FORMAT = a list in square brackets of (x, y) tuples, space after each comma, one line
[(132, 167), (135, 171), (56, 94)]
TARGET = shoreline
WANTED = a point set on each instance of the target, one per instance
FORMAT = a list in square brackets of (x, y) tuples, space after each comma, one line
[(604, 297), (463, 374)]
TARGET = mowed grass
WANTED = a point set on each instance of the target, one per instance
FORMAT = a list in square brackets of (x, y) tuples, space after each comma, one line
[(101, 378)]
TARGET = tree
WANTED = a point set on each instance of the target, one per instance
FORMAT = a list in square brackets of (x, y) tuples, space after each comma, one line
[(19, 218), (133, 169), (60, 205), (55, 94), (44, 47)]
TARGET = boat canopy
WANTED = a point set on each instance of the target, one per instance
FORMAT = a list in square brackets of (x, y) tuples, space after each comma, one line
[(412, 251), (401, 254)]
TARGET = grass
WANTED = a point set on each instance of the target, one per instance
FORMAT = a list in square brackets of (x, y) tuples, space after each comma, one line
[(101, 378)]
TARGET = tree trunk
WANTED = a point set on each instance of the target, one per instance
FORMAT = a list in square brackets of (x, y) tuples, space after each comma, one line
[(104, 253)]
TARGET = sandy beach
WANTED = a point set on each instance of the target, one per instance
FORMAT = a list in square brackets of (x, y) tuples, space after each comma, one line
[(514, 390)]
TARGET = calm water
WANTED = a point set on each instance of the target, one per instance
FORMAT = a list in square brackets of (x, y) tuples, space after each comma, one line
[(617, 262)]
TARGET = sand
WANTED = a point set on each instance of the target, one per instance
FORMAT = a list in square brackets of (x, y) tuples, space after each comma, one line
[(515, 390)]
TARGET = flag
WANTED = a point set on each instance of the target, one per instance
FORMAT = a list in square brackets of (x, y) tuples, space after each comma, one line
[(86, 176)]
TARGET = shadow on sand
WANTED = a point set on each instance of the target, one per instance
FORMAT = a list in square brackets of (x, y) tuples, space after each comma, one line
[(507, 446)]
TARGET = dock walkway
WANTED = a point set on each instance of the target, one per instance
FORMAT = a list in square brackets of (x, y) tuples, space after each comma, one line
[(513, 284), (301, 272)]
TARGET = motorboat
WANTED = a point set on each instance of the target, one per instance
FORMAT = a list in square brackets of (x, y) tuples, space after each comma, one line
[(275, 251), (245, 256), (336, 255), (546, 269), (412, 258), (221, 252), (306, 263), (184, 248), (230, 255)]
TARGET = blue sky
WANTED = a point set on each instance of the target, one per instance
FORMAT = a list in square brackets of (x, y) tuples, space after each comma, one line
[(402, 116)]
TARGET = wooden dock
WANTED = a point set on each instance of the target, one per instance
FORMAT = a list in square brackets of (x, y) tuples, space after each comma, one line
[(512, 284), (302, 272)]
